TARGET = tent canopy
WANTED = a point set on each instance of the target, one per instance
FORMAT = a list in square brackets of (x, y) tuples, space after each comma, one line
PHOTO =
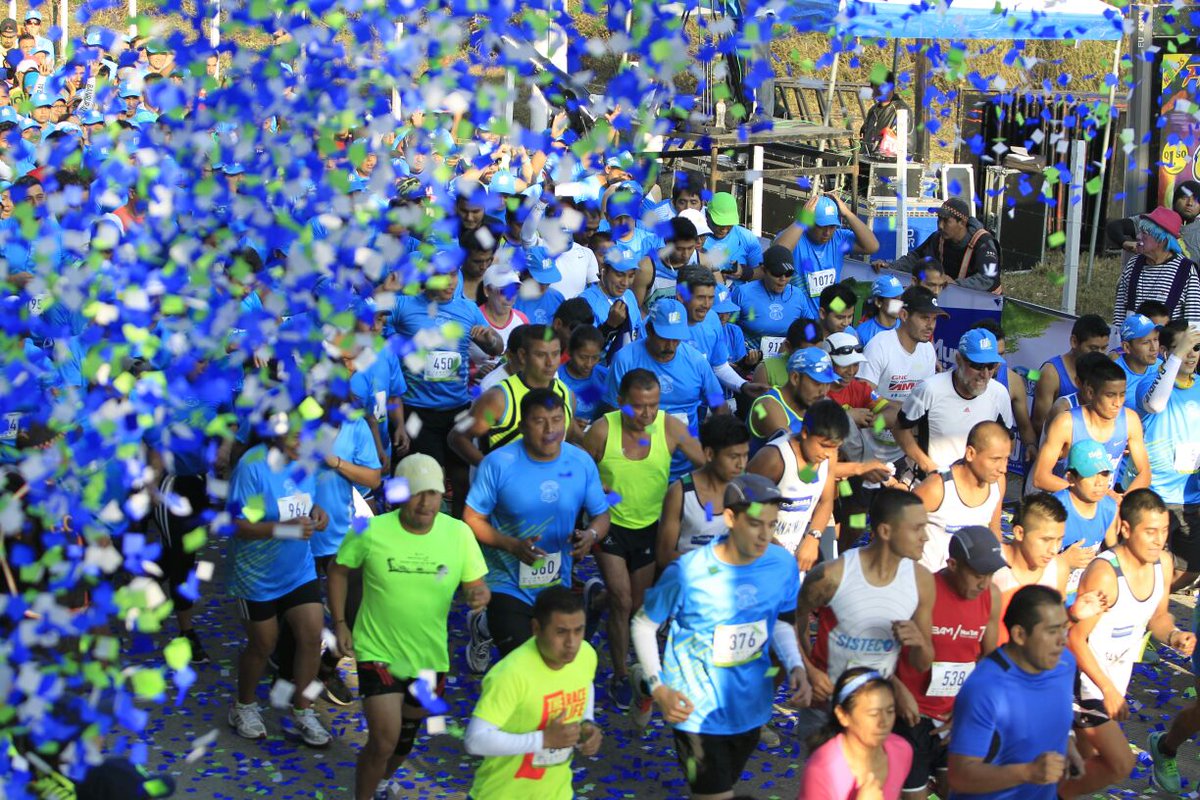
[(1084, 20)]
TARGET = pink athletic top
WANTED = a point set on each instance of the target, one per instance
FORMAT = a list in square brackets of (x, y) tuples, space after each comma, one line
[(827, 776)]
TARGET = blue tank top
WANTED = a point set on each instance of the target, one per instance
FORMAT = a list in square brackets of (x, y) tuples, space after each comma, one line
[(1080, 528), (795, 421), (1115, 446), (1066, 386), (1002, 374)]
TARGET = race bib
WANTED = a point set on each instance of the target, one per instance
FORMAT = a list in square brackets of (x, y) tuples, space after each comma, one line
[(820, 280), (380, 406), (1187, 457), (541, 573), (947, 678), (294, 505), (682, 417), (9, 425), (442, 365), (37, 304), (552, 757), (771, 346), (738, 644)]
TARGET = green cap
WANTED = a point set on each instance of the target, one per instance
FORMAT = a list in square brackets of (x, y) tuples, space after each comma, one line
[(722, 209)]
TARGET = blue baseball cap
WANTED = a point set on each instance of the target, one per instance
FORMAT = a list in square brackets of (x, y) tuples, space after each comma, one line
[(128, 90), (42, 100), (826, 212), (541, 266), (33, 13), (29, 122), (91, 117), (813, 362), (723, 304), (980, 346), (9, 116), (1136, 326), (888, 286), (503, 183), (1088, 458), (669, 320)]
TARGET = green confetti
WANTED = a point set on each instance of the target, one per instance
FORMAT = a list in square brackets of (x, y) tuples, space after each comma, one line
[(755, 510), (1056, 239), (878, 424), (691, 770), (837, 305), (1093, 186), (149, 683), (311, 410), (254, 510), (858, 521), (772, 672), (844, 488), (1034, 375), (194, 540), (807, 473), (178, 653)]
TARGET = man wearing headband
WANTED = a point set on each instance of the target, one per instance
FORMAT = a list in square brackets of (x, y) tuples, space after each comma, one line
[(1159, 270), (967, 250), (1013, 715)]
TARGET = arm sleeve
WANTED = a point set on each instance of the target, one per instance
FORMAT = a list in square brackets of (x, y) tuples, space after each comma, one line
[(729, 377), (1153, 395), (787, 646), (643, 632), (711, 393), (529, 235), (486, 739)]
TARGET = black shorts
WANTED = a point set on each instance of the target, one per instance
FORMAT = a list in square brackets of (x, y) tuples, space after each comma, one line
[(931, 753), (263, 610), (436, 425), (713, 763), (510, 621), (1185, 536), (635, 545), (177, 564), (374, 678), (1090, 713)]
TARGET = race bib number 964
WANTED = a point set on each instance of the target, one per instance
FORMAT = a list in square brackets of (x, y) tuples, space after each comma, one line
[(294, 506)]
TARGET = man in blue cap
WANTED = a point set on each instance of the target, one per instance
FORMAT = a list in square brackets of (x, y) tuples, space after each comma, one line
[(810, 377), (35, 28), (819, 247), (684, 374), (43, 105), (935, 420), (618, 315), (1139, 355)]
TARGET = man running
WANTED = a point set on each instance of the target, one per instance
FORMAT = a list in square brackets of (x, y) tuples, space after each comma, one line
[(872, 601), (801, 467), (523, 508), (1012, 717), (727, 602), (692, 512), (413, 561), (632, 448), (1135, 579), (966, 621), (537, 707), (970, 492)]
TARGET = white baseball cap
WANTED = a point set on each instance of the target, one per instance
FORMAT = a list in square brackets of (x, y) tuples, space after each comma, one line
[(497, 276), (696, 217), (843, 348)]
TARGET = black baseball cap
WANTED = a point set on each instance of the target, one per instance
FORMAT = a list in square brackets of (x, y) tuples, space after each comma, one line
[(920, 300), (777, 260), (750, 488), (8, 25), (978, 548)]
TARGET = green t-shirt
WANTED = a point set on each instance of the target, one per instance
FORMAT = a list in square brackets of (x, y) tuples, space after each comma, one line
[(520, 695), (409, 581)]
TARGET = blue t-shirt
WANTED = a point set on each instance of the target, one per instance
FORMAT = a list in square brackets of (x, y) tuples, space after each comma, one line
[(373, 386), (735, 342), (709, 341), (634, 327), (819, 267), (540, 310), (524, 498), (640, 245), (686, 381), (1173, 445), (354, 445), (1080, 528), (705, 598), (1134, 382), (766, 314), (589, 391), (1015, 715), (267, 569), (190, 407), (739, 248), (868, 329), (441, 379)]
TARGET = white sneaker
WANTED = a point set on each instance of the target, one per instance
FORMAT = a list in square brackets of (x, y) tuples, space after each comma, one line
[(384, 790), (310, 728), (247, 721)]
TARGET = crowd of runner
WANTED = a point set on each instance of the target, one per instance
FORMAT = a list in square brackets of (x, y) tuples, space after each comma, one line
[(477, 366)]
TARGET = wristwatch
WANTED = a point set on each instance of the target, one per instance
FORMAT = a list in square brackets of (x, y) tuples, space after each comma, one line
[(653, 682), (813, 534)]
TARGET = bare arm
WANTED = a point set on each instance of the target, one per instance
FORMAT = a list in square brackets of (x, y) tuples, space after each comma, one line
[(666, 547), (1099, 576), (907, 442), (991, 634), (1002, 485), (1019, 400), (487, 409), (920, 656), (680, 438), (1137, 451), (1044, 394), (970, 774), (768, 463), (932, 491), (1058, 436), (767, 418), (595, 439)]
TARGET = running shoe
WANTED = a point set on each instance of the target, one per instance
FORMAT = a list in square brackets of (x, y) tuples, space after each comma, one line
[(310, 728), (336, 691), (643, 704), (620, 691), (591, 591), (384, 790), (1164, 771), (479, 648), (769, 737), (247, 721), (199, 654)]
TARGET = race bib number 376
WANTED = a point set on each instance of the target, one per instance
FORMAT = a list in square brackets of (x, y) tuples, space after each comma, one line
[(738, 644)]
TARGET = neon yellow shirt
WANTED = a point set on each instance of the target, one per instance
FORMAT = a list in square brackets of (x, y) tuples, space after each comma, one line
[(520, 695)]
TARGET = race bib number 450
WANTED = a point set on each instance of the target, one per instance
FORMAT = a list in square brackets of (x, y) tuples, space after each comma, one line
[(738, 644), (442, 365)]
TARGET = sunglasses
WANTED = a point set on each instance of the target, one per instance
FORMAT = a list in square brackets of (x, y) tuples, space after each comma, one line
[(847, 350), (33, 22), (785, 274), (982, 367)]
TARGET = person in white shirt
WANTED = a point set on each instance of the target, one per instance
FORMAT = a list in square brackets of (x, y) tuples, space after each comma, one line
[(898, 360), (579, 270), (934, 421)]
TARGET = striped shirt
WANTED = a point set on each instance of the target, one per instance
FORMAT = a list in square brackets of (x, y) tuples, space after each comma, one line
[(1155, 283)]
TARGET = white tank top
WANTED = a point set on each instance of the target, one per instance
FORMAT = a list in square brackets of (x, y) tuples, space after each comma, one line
[(1116, 641), (799, 496), (861, 634), (951, 515), (697, 525)]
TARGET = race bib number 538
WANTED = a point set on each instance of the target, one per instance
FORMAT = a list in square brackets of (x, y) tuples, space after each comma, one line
[(946, 678)]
